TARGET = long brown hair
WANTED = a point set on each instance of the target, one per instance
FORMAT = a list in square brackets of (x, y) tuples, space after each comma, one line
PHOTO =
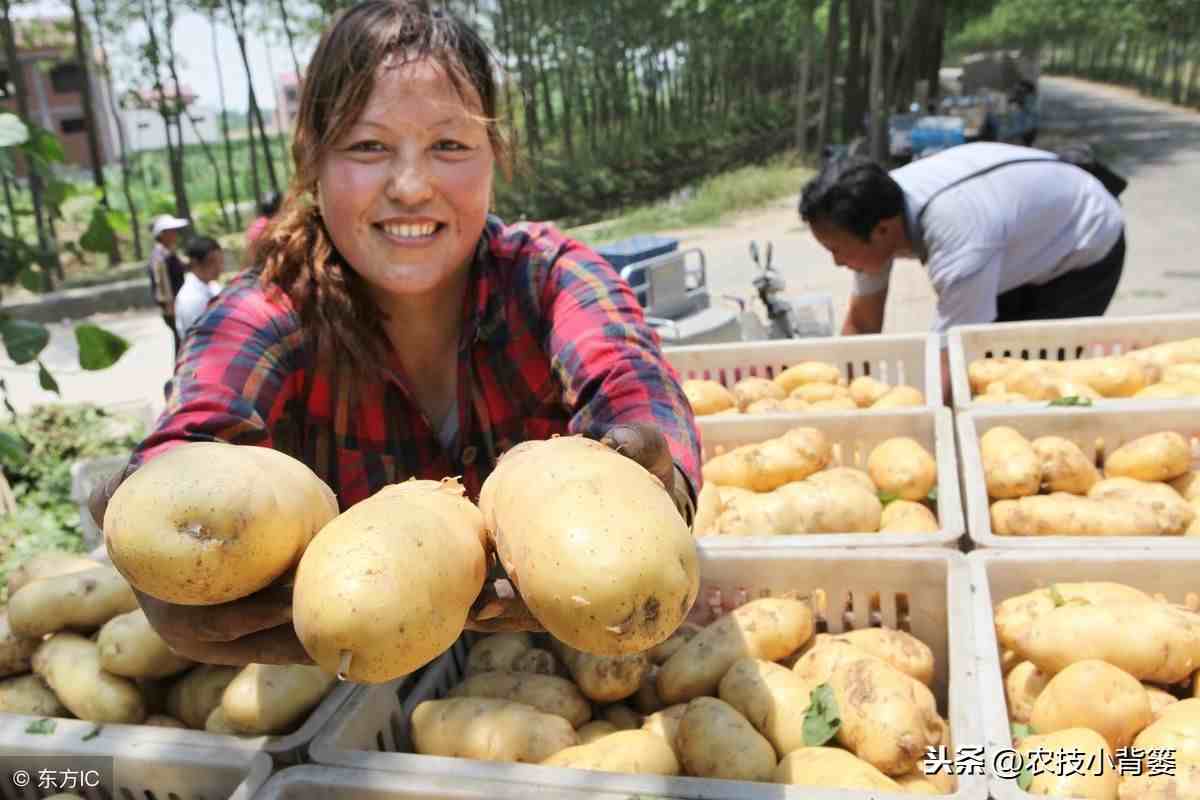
[(296, 254)]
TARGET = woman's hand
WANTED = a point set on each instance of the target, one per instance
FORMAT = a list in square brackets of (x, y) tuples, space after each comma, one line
[(644, 443)]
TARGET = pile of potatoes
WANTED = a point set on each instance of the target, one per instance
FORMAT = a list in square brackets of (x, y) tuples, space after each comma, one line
[(754, 695), (790, 485), (75, 644), (807, 386), (1108, 670), (1049, 486), (1164, 371)]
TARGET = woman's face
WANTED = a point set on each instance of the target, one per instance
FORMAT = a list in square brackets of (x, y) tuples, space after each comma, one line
[(405, 193)]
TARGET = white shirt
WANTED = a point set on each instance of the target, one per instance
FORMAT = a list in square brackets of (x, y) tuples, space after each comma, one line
[(1016, 225), (192, 301)]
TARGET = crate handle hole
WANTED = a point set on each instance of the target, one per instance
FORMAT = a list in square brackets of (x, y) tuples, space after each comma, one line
[(903, 618)]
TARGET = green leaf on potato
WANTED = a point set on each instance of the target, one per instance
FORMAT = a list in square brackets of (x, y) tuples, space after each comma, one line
[(1073, 400), (1020, 730), (1058, 599), (888, 497), (41, 726), (1025, 779), (822, 721)]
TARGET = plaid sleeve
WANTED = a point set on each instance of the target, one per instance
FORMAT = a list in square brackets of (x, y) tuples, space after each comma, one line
[(608, 358), (235, 377)]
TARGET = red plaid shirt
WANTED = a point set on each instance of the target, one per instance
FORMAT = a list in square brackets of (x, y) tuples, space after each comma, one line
[(554, 342)]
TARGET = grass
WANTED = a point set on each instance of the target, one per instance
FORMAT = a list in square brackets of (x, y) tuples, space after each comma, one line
[(712, 201)]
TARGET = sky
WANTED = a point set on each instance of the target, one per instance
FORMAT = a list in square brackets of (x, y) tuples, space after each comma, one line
[(198, 70)]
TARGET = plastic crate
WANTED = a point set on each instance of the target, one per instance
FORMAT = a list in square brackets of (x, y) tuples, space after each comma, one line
[(139, 768), (853, 436), (997, 575), (923, 591), (1096, 431), (634, 249), (1060, 340), (898, 359)]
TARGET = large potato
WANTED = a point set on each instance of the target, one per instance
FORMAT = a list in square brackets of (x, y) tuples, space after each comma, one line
[(665, 723), (768, 628), (1011, 467), (807, 372), (715, 741), (604, 679), (906, 516), (821, 392), (81, 601), (1022, 685), (1188, 484), (1181, 783), (902, 650), (211, 522), (661, 652), (750, 390), (1014, 616), (983, 372), (843, 476), (832, 768), (272, 698), (866, 391), (1172, 514), (621, 716), (547, 693), (499, 651), (708, 397), (1154, 457), (1160, 699), (767, 465), (540, 662), (46, 565), (70, 665), (488, 729), (900, 397), (345, 609), (1180, 351), (1177, 730), (596, 729), (1069, 701), (29, 694), (1064, 466), (635, 752), (593, 542), (1112, 376), (130, 646), (1096, 779), (15, 651), (192, 698), (771, 697), (1063, 514), (646, 700), (902, 467)]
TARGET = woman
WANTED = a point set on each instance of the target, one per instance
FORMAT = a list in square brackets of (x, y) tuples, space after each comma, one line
[(393, 328)]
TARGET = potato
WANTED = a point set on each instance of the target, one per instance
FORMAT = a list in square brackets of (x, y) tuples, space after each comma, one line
[(1064, 466), (715, 741), (1069, 701), (1008, 661), (621, 716), (820, 392), (15, 651), (130, 646), (1188, 485), (1015, 616), (1154, 457), (1095, 778), (1062, 514), (1181, 373), (1179, 783), (709, 506), (163, 721), (1170, 391), (499, 651), (1022, 685), (902, 467), (1177, 730), (1113, 376), (539, 662), (646, 700), (902, 650), (1180, 351), (802, 507), (1034, 380), (604, 679), (217, 722), (917, 783), (771, 697), (768, 628), (345, 611), (200, 524), (834, 403), (622, 575), (768, 465), (273, 698), (826, 656), (665, 723), (547, 693), (999, 398), (984, 371), (807, 372), (1011, 467), (900, 397), (865, 391), (632, 752), (1165, 648), (708, 397), (905, 516), (750, 390), (29, 694), (1159, 699), (768, 405), (842, 476), (596, 729), (661, 652), (1172, 514), (81, 601), (70, 665), (832, 768), (488, 729), (192, 698), (47, 565)]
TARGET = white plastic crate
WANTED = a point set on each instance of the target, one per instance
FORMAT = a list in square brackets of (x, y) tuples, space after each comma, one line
[(1060, 340), (138, 768), (923, 591), (1097, 431), (997, 575), (853, 437), (897, 359)]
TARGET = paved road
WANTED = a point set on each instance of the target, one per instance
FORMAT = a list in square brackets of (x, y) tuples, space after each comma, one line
[(1155, 145)]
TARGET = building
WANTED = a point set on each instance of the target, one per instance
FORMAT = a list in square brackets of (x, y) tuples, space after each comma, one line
[(146, 130), (54, 85)]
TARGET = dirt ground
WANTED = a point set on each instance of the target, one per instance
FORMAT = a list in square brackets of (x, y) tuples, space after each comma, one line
[(1153, 144)]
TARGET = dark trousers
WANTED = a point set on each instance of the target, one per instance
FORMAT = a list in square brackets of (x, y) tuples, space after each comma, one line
[(1084, 292)]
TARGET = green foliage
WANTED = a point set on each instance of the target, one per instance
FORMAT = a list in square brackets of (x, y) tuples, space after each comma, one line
[(822, 720)]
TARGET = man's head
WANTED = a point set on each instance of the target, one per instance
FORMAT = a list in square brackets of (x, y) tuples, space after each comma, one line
[(165, 229), (856, 211), (206, 258)]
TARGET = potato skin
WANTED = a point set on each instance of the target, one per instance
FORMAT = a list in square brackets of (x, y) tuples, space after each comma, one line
[(488, 729), (1177, 729), (1172, 514), (901, 466), (750, 390), (46, 565), (866, 391), (1065, 468), (1022, 685), (767, 465), (1184, 783), (1155, 457), (1011, 467), (621, 716), (1015, 616), (548, 694), (708, 397), (768, 628), (902, 650), (16, 652), (29, 694), (1096, 780), (905, 516), (1069, 701), (272, 698), (81, 601), (715, 741), (596, 729), (900, 397), (130, 646), (1063, 514), (661, 652), (633, 752), (70, 665), (771, 697), (192, 698), (807, 372), (604, 679), (499, 651), (832, 768)]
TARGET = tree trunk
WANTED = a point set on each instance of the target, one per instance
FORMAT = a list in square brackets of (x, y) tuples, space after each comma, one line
[(803, 79), (122, 149), (878, 99), (287, 31), (256, 190), (852, 110), (233, 188), (833, 43), (239, 31), (216, 168), (181, 111), (935, 47)]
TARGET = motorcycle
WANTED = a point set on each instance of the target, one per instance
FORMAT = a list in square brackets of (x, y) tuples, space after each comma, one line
[(806, 316)]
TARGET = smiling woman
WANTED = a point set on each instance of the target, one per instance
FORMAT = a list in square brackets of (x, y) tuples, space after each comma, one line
[(390, 327)]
